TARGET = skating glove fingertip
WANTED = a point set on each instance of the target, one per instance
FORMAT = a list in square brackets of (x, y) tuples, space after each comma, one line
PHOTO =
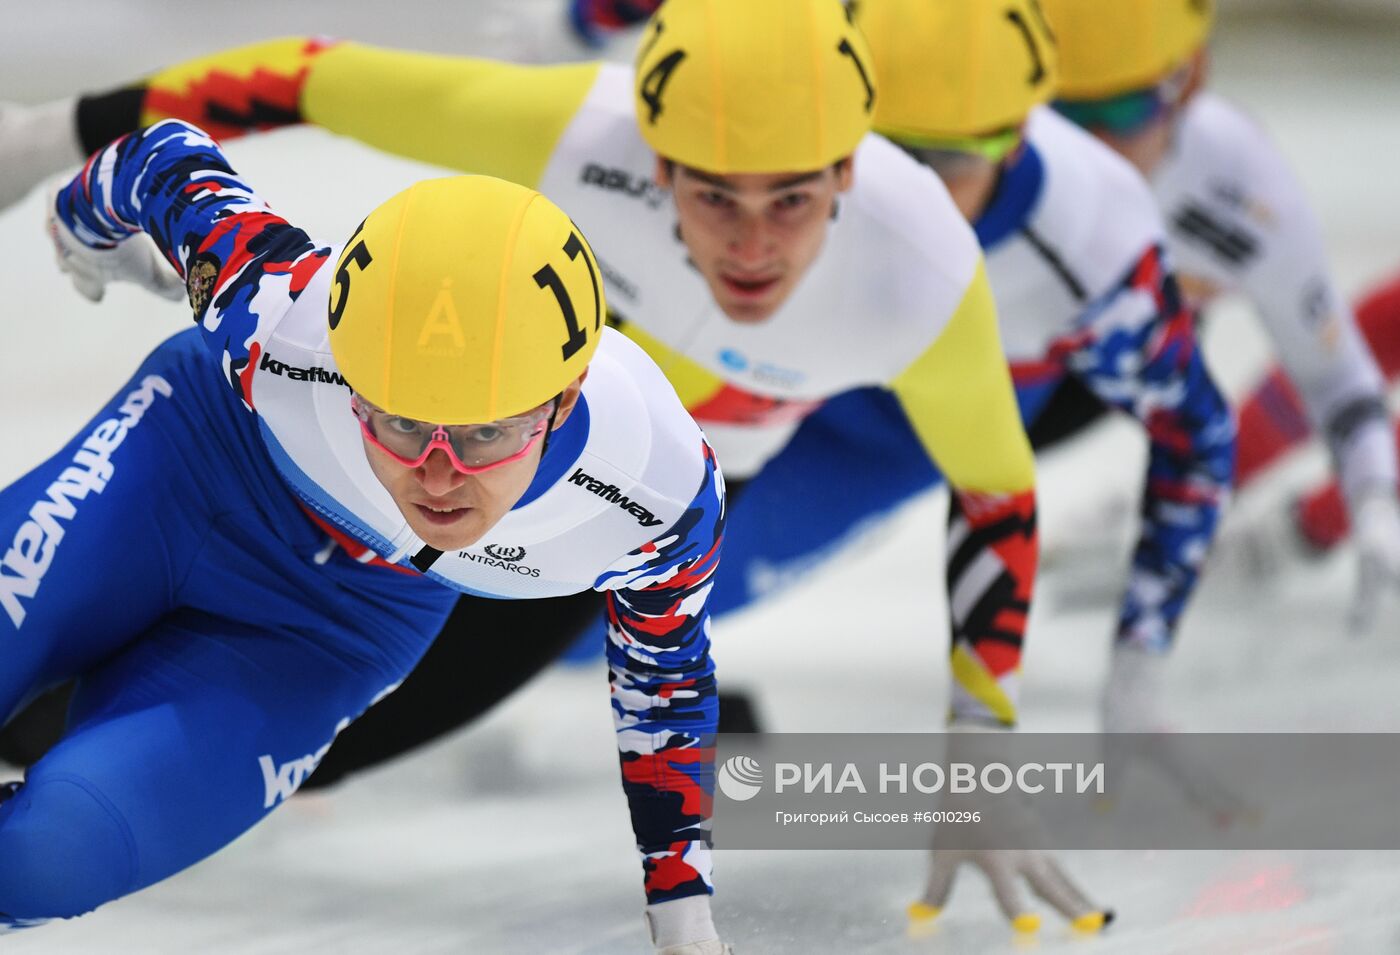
[(923, 912), (1026, 923), (1092, 922)]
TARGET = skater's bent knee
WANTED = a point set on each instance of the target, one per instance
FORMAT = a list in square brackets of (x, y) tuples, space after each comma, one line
[(64, 850)]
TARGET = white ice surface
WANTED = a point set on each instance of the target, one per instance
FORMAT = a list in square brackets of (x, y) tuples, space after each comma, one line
[(514, 837)]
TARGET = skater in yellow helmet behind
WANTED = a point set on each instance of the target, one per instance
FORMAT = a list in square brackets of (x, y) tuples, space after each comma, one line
[(1134, 74), (1088, 305)]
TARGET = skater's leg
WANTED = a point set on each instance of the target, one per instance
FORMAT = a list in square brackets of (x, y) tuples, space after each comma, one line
[(206, 721), (1272, 420), (179, 743), (87, 559), (461, 678)]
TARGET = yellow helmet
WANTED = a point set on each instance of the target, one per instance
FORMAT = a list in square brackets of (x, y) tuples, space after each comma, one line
[(754, 86), (953, 70), (1109, 47), (464, 300)]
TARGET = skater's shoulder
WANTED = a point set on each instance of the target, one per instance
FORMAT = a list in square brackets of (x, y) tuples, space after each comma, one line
[(1227, 186), (1075, 161), (637, 426), (1211, 120), (1218, 140), (906, 218), (1095, 213)]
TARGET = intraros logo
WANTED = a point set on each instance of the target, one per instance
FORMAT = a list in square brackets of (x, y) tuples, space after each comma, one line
[(506, 553)]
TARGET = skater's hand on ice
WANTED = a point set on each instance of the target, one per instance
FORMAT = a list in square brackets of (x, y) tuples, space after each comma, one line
[(684, 927), (1377, 533), (135, 259), (1017, 825), (1005, 869), (1137, 729), (1134, 692)]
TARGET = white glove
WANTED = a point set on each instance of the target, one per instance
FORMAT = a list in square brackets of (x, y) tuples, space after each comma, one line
[(1376, 528), (35, 142), (1005, 868), (1133, 702), (135, 259), (684, 927), (1133, 693)]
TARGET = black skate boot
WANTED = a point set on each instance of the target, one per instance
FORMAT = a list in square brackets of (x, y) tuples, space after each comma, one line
[(737, 713)]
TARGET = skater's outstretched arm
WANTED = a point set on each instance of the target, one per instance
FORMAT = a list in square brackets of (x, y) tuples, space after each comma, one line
[(1136, 348), (665, 708), (1243, 221), (172, 182), (465, 113), (959, 398)]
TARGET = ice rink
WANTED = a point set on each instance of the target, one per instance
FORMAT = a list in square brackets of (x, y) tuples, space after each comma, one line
[(514, 837)]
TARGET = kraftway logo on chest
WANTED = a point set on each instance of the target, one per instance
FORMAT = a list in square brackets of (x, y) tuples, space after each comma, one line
[(613, 494), (502, 558)]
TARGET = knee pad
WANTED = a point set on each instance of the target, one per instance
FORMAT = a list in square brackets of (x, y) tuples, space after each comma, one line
[(64, 850)]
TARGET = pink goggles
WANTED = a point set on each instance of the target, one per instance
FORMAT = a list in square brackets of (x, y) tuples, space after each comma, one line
[(472, 448)]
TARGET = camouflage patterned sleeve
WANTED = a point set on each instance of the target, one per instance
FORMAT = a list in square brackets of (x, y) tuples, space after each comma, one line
[(664, 700), (1137, 349), (172, 182)]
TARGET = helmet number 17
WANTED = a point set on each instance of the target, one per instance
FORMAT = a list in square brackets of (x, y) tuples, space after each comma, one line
[(1037, 61), (845, 49), (548, 278)]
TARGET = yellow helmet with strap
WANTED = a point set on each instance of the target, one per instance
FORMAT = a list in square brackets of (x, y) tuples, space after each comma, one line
[(464, 300), (754, 86), (1108, 47), (953, 70)]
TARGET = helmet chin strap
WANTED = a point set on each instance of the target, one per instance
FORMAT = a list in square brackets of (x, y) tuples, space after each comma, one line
[(549, 431)]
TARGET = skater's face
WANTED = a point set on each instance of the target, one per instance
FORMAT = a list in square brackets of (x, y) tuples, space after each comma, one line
[(752, 237), (450, 510)]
